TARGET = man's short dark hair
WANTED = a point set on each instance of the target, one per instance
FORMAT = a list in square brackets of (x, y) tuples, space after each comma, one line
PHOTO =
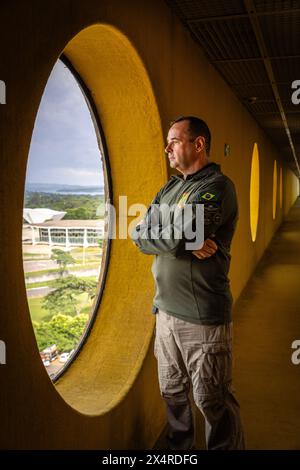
[(196, 127)]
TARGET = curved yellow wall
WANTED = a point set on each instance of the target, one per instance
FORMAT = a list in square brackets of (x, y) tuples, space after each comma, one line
[(143, 69), (120, 338)]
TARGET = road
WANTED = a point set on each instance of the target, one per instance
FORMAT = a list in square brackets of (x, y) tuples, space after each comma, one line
[(39, 291)]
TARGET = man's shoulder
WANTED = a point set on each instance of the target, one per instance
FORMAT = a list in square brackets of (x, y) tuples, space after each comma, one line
[(227, 182), (215, 189), (221, 181), (171, 182)]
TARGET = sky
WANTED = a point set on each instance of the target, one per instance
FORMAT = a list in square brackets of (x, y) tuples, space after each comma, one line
[(64, 147)]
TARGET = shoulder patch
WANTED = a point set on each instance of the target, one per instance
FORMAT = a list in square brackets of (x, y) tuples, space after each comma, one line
[(207, 196)]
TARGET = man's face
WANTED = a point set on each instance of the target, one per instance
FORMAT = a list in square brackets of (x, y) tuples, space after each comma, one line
[(182, 149)]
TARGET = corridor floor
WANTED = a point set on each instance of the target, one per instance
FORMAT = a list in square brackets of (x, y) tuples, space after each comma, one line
[(266, 322)]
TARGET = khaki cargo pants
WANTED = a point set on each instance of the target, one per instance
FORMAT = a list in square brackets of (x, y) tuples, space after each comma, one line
[(198, 354)]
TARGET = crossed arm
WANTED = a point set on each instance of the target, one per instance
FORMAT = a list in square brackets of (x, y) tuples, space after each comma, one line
[(214, 215)]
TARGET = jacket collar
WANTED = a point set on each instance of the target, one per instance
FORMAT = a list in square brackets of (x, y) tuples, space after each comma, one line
[(205, 171)]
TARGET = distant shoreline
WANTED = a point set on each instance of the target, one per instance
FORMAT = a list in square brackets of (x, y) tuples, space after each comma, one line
[(64, 189)]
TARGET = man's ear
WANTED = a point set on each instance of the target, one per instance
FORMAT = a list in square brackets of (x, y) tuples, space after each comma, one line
[(200, 143)]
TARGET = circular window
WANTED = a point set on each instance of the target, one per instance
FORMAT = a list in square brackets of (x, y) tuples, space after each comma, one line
[(63, 219), (254, 192), (274, 189)]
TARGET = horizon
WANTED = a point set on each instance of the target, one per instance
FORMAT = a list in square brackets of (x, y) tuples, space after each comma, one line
[(64, 184)]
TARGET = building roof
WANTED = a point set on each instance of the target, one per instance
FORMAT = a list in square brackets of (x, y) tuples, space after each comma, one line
[(93, 224), (36, 216)]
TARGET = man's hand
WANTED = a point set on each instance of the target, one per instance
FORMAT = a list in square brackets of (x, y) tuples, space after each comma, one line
[(208, 249)]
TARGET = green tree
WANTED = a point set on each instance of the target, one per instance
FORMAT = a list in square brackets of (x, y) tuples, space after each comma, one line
[(81, 206), (63, 258), (63, 330), (78, 213), (65, 296)]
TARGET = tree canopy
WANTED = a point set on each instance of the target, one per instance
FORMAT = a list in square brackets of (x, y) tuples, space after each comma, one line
[(63, 330)]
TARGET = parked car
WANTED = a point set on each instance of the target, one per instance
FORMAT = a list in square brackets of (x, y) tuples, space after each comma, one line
[(64, 357)]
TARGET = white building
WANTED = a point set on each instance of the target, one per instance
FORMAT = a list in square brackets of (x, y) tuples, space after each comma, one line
[(60, 232)]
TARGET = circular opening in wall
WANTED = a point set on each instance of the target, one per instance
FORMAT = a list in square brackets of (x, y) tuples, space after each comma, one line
[(274, 190), (112, 357), (254, 192)]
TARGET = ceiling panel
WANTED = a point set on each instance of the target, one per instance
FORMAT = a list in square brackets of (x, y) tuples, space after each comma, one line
[(281, 33), (191, 9), (227, 39)]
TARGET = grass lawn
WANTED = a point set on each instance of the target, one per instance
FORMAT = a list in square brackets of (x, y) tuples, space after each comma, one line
[(71, 268), (38, 314), (35, 257), (51, 283), (36, 311), (90, 249)]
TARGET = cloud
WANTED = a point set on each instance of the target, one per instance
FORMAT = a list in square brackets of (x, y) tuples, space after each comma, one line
[(64, 145)]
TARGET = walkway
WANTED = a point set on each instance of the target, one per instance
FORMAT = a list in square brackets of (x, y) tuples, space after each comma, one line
[(267, 321)]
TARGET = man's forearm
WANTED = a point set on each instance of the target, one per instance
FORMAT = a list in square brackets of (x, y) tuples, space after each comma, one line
[(152, 240)]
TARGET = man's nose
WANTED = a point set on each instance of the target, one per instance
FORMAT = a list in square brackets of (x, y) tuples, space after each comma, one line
[(167, 148)]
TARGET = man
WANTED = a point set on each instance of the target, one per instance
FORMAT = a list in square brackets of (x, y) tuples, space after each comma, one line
[(193, 339)]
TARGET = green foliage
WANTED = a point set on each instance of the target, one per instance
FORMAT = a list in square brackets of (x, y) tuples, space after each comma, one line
[(62, 258), (77, 206), (34, 285), (37, 312), (80, 213), (65, 296), (62, 330)]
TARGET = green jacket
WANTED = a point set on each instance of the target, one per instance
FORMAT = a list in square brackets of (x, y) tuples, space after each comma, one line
[(187, 287)]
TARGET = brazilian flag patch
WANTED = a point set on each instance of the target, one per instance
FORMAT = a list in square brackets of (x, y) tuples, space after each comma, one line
[(209, 196)]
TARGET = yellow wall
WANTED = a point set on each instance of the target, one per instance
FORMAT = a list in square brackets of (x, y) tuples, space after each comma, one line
[(143, 69), (290, 189)]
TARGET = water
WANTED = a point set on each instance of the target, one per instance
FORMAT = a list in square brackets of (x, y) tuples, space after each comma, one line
[(64, 189)]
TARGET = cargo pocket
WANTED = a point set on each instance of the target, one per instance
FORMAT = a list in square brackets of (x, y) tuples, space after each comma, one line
[(217, 363)]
